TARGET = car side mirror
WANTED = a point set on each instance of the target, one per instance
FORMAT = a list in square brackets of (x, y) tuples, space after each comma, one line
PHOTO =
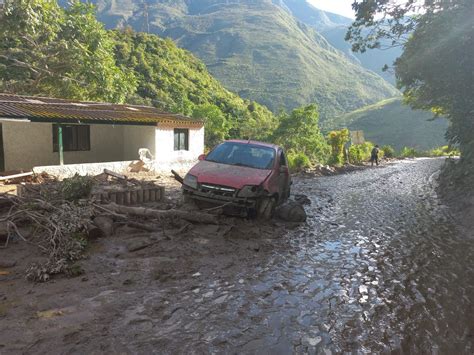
[(284, 170), (202, 157)]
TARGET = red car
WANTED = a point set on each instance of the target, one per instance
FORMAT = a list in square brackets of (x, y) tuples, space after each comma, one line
[(248, 175)]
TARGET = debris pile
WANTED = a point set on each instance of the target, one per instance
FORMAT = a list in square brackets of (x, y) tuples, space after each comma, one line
[(61, 218), (28, 177), (58, 228)]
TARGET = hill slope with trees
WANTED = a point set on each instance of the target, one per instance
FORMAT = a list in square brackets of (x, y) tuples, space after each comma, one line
[(334, 28), (392, 123), (256, 49)]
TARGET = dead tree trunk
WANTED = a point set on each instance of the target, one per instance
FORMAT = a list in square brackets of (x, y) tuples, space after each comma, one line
[(195, 217)]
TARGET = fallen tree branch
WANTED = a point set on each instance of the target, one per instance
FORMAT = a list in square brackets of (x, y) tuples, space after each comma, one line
[(144, 226), (114, 174), (195, 217), (177, 177), (16, 176)]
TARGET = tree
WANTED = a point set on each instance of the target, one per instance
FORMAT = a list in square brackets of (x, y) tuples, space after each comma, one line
[(435, 70), (47, 50), (338, 140), (216, 124), (299, 132)]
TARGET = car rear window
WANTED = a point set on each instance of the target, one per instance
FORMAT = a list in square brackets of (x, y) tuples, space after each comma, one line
[(241, 154)]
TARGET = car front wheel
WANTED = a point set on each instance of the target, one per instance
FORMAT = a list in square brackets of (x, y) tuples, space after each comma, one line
[(266, 208)]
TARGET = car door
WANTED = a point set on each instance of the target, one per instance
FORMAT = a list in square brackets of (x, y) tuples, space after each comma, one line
[(284, 176)]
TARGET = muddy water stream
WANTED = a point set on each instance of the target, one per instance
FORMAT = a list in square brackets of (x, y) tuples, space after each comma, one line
[(380, 266)]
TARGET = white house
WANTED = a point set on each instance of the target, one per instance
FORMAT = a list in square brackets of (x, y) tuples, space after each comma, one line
[(37, 131)]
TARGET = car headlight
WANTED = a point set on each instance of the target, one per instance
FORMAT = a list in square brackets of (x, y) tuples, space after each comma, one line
[(249, 191), (191, 181)]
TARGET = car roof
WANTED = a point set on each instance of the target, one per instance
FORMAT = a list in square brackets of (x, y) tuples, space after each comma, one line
[(263, 144)]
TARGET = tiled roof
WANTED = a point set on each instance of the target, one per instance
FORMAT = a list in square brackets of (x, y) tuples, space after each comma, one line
[(43, 109)]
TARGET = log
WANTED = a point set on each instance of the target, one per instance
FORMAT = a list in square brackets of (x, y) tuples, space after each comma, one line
[(144, 226), (177, 177), (16, 176), (195, 217), (114, 174)]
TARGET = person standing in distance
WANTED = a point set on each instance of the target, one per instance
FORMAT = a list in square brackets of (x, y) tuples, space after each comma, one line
[(374, 155)]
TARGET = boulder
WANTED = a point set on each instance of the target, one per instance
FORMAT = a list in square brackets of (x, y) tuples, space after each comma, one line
[(291, 212)]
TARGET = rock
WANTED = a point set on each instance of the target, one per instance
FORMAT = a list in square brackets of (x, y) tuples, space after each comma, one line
[(312, 341), (291, 212), (106, 225), (220, 299), (138, 244)]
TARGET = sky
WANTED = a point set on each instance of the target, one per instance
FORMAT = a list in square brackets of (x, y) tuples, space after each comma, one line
[(340, 7)]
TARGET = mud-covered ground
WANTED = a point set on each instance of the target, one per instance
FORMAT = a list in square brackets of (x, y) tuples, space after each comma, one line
[(379, 266)]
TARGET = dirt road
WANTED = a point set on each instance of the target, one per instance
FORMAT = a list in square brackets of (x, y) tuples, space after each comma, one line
[(379, 266)]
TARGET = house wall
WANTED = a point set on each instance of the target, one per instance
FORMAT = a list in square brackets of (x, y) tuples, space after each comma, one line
[(165, 153), (136, 137), (28, 144)]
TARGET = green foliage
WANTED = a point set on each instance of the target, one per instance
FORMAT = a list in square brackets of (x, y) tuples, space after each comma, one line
[(443, 81), (388, 151), (47, 50), (174, 80), (360, 153), (435, 69), (337, 140), (299, 132), (216, 125), (444, 151), (393, 123), (298, 161), (410, 152), (257, 50), (77, 187)]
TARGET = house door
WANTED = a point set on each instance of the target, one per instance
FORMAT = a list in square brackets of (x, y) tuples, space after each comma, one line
[(2, 155)]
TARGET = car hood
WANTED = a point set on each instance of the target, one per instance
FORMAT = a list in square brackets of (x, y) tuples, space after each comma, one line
[(228, 175)]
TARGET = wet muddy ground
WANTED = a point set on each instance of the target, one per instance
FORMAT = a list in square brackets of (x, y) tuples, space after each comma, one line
[(380, 266)]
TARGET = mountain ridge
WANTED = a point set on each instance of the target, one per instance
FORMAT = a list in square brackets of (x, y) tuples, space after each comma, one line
[(287, 65), (334, 28)]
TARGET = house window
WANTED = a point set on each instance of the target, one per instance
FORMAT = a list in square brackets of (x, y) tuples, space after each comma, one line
[(181, 139), (75, 138)]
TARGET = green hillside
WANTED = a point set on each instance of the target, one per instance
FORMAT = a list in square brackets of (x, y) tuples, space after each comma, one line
[(391, 122), (334, 28), (173, 79), (258, 50)]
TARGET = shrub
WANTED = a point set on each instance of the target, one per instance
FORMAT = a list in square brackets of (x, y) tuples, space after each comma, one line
[(337, 140), (359, 153), (299, 132), (443, 151), (388, 151), (77, 187), (298, 161), (410, 152)]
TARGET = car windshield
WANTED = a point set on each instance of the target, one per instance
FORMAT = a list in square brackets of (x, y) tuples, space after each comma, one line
[(242, 154)]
